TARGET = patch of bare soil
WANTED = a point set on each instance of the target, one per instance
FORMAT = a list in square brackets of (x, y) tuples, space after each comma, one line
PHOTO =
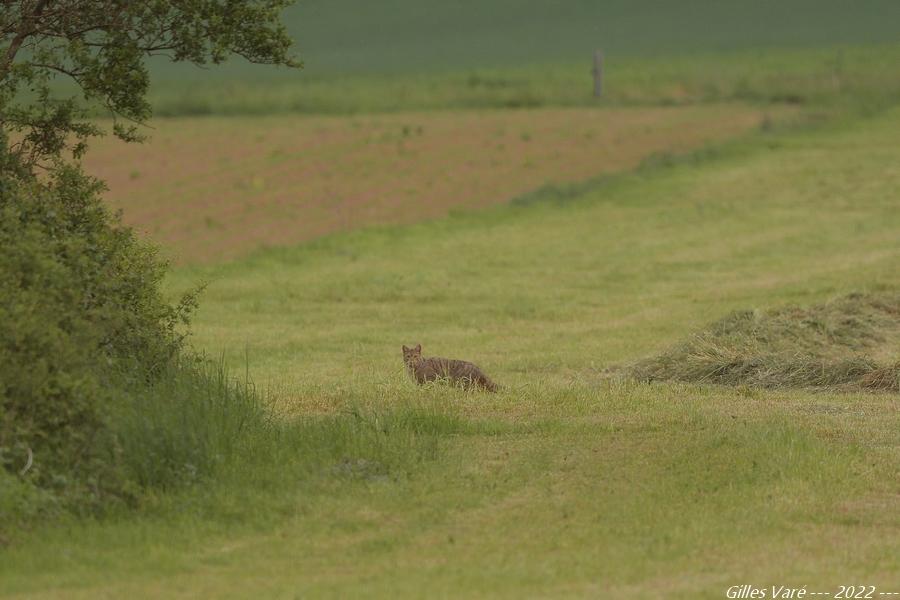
[(212, 189)]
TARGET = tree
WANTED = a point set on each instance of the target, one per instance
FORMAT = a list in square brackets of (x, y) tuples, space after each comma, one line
[(83, 321), (102, 46)]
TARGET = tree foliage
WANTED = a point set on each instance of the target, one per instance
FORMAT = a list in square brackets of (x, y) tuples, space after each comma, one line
[(82, 321), (83, 324), (102, 46)]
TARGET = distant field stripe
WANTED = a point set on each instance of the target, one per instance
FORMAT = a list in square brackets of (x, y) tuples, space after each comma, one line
[(215, 189)]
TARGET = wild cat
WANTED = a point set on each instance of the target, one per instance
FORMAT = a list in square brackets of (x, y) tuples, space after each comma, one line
[(458, 372)]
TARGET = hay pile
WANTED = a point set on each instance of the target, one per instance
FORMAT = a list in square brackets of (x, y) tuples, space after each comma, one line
[(850, 343)]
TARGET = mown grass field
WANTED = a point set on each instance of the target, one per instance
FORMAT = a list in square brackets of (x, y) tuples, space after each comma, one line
[(441, 174), (573, 481)]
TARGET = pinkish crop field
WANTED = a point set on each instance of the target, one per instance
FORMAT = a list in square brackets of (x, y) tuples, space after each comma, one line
[(212, 189)]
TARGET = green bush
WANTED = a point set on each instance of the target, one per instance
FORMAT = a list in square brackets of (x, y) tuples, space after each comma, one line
[(96, 388), (82, 320)]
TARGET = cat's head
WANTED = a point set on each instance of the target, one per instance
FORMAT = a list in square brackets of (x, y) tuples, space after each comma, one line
[(411, 355)]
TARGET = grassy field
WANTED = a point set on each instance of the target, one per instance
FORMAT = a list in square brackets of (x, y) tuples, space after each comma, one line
[(353, 35), (415, 55), (278, 181), (573, 481), (859, 74), (406, 36), (582, 274), (440, 173), (424, 55)]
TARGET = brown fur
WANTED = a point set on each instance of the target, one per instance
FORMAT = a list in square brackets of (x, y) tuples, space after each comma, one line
[(458, 372)]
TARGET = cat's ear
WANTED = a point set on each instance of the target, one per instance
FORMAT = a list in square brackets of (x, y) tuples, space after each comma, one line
[(405, 349), (418, 348)]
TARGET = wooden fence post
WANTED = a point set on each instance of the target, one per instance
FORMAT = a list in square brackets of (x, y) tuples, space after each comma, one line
[(598, 73)]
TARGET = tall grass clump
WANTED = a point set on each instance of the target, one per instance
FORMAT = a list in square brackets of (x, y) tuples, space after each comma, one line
[(187, 424), (196, 436), (852, 342), (199, 424)]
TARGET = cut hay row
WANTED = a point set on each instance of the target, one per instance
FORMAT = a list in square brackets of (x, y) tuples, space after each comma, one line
[(852, 342)]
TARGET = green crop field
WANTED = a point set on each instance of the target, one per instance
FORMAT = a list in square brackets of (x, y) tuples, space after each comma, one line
[(688, 291), (405, 54), (351, 36)]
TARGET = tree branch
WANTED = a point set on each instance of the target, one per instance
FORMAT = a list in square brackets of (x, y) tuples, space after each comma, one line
[(27, 29)]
